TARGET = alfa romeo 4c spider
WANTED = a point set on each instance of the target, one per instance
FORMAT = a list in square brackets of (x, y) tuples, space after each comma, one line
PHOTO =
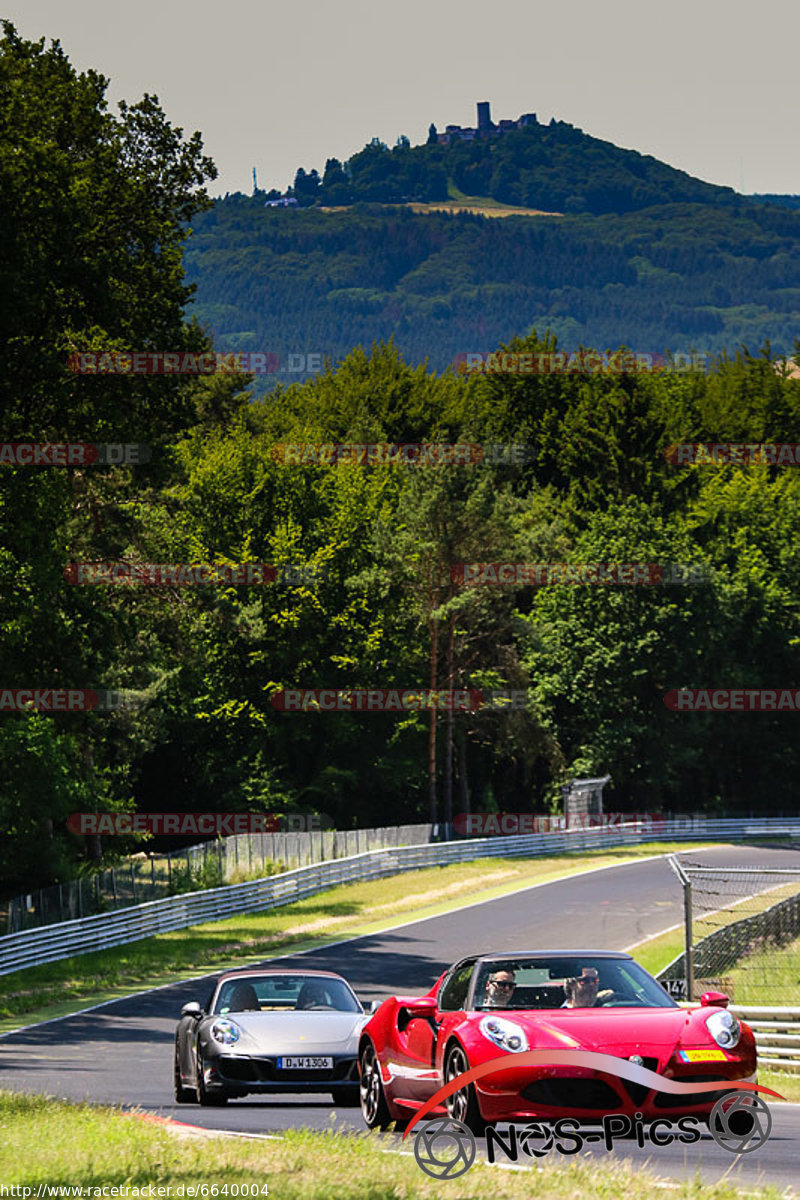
[(496, 1006)]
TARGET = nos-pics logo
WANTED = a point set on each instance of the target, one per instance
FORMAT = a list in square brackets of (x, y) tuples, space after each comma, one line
[(445, 1148)]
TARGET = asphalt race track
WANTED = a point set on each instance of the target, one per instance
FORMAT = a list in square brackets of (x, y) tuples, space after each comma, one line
[(121, 1053)]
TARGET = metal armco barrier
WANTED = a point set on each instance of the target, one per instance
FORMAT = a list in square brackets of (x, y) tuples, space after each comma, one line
[(777, 1033), (65, 939)]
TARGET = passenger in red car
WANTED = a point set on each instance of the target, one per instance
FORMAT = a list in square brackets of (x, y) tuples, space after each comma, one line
[(582, 990)]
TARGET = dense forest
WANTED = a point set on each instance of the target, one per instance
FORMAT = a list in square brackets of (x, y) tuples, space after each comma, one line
[(677, 277), (95, 264)]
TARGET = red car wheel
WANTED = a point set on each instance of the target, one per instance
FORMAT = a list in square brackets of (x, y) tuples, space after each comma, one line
[(462, 1105)]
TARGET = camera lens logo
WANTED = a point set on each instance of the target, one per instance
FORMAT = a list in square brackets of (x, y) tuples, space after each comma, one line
[(536, 1140), (444, 1148), (740, 1124)]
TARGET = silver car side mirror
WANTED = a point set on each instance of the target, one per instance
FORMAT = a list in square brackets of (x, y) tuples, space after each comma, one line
[(192, 1009)]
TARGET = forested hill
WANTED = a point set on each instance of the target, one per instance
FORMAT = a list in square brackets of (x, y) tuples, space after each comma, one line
[(555, 168), (676, 276)]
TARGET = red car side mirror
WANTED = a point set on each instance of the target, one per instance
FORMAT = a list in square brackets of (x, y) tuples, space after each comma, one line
[(425, 1008), (715, 999), (412, 1010)]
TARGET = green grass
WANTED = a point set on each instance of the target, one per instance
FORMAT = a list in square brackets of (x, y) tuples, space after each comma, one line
[(779, 965), (55, 989), (784, 1082), (656, 952), (45, 1141)]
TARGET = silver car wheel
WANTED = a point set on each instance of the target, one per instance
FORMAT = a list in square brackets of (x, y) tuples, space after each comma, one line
[(373, 1101)]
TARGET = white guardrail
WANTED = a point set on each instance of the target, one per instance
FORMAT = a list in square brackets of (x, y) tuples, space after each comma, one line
[(777, 1033), (67, 938)]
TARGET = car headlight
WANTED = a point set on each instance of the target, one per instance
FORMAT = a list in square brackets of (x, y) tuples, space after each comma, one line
[(724, 1028), (505, 1034), (225, 1031)]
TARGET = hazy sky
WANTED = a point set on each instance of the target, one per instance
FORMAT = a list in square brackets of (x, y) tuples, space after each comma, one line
[(710, 86)]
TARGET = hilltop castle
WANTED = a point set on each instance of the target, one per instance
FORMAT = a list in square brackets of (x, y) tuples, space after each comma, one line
[(485, 128)]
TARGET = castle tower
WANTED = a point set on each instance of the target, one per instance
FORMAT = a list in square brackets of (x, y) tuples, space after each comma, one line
[(484, 117)]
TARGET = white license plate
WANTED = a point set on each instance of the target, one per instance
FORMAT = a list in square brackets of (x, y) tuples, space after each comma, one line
[(306, 1062)]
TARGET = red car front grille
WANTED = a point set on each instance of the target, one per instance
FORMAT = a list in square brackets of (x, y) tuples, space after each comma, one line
[(594, 1094), (667, 1100)]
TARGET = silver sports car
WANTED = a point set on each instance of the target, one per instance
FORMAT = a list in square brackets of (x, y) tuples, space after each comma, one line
[(270, 1031)]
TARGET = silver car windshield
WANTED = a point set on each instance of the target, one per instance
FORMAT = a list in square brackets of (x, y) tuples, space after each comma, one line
[(286, 993)]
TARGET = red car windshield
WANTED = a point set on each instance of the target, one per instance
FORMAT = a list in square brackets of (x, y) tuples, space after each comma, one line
[(585, 982)]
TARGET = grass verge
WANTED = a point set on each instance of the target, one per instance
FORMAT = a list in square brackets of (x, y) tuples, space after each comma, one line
[(48, 1142), (780, 965), (55, 989), (780, 968)]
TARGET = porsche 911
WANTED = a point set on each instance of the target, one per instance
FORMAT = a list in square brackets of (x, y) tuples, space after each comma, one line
[(270, 1031)]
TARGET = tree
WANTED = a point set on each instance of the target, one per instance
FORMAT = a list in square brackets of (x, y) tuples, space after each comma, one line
[(306, 187), (335, 183), (433, 137), (95, 210)]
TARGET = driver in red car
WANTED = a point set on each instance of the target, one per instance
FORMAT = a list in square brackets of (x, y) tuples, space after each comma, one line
[(499, 989)]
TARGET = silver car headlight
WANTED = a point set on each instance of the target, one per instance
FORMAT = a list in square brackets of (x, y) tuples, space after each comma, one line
[(724, 1028), (225, 1031), (504, 1033)]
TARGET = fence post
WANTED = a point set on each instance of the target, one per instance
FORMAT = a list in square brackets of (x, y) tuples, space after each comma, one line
[(133, 883), (152, 878), (688, 950)]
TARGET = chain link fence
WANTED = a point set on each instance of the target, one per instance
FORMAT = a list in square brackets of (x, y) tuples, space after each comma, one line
[(234, 859), (742, 935)]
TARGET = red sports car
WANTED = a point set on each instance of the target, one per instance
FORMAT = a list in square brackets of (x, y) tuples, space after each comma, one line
[(489, 1006)]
